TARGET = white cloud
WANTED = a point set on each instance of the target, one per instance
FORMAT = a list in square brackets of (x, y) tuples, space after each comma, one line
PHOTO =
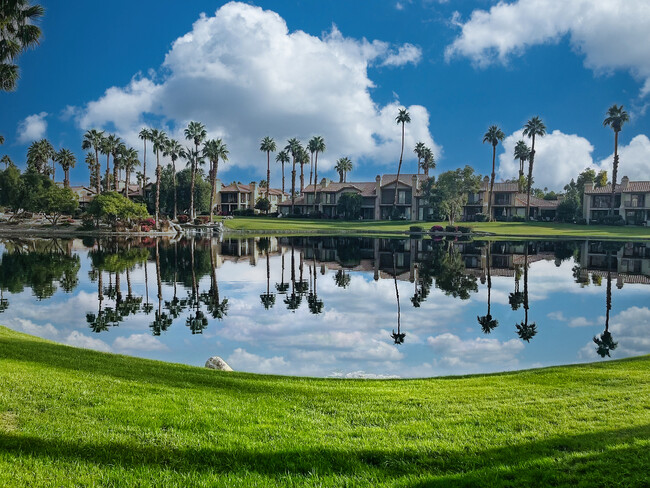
[(610, 34), (245, 75), (139, 342), (630, 330), (77, 339), (634, 159), (241, 360), (580, 322), (32, 128), (558, 158), (47, 331), (559, 316), (451, 349)]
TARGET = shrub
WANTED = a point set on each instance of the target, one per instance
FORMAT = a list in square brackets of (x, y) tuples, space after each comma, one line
[(518, 218), (481, 217), (464, 230), (615, 219), (451, 228), (244, 212), (202, 220), (151, 222), (263, 204), (437, 228), (146, 228), (581, 221), (183, 219), (416, 228)]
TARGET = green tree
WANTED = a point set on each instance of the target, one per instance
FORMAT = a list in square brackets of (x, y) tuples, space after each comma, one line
[(18, 32), (601, 179), (130, 161), (108, 146), (144, 135), (428, 161), (11, 189), (93, 140), (263, 204), (173, 150), (159, 141), (317, 145), (93, 176), (67, 160), (294, 148), (6, 160), (38, 154), (522, 153), (493, 136), (268, 146), (343, 166), (282, 157), (534, 127), (616, 117), (450, 192), (349, 205), (214, 150), (195, 132), (419, 152), (303, 158), (403, 118), (114, 208), (55, 201)]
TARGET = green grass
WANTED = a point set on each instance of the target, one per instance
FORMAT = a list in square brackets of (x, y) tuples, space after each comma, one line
[(72, 417), (532, 229)]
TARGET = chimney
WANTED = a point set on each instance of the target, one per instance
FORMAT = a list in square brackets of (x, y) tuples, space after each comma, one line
[(624, 182), (414, 183), (325, 182), (589, 186), (253, 187), (377, 200)]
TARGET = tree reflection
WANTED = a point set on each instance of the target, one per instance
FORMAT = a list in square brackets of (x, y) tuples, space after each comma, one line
[(216, 307), (196, 321), (398, 337), (516, 298), (488, 324), (526, 331), (342, 279), (4, 303), (605, 342), (162, 321), (174, 306), (315, 304), (282, 287), (268, 298), (293, 300)]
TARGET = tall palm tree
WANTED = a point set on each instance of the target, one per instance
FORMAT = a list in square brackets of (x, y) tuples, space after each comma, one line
[(522, 153), (195, 132), (268, 146), (67, 160), (318, 144), (303, 158), (38, 154), (108, 146), (525, 330), (268, 298), (92, 167), (419, 152), (145, 135), (282, 157), (488, 324), (615, 119), (6, 160), (282, 287), (315, 304), (403, 118), (493, 136), (398, 337), (129, 161), (159, 141), (534, 127), (117, 164), (213, 150), (428, 161), (294, 148), (605, 342), (173, 150), (93, 140), (343, 166), (18, 32)]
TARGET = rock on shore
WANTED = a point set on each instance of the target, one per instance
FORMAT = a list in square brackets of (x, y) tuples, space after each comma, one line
[(215, 362)]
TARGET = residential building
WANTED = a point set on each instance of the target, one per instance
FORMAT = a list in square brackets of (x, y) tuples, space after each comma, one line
[(631, 201), (84, 194), (507, 202), (627, 263), (377, 198), (237, 196)]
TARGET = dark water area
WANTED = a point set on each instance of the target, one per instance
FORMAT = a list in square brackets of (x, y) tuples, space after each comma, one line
[(334, 306)]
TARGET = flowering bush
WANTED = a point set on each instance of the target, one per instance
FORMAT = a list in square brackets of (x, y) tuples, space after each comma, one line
[(437, 228), (183, 219), (145, 228), (149, 222)]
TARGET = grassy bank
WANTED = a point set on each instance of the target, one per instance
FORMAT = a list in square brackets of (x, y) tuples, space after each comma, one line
[(72, 417), (534, 229)]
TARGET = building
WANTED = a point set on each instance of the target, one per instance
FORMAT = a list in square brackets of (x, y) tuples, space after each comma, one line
[(507, 202), (377, 198), (84, 194), (237, 196), (631, 201)]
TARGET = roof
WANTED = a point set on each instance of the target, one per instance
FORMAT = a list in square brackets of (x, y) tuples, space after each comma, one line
[(241, 188), (520, 201), (501, 187), (632, 187), (404, 178)]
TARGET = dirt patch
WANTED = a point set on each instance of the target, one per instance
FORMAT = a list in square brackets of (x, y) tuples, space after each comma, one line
[(8, 422)]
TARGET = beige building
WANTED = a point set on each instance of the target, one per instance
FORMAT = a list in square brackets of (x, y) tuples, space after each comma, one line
[(237, 196), (631, 201)]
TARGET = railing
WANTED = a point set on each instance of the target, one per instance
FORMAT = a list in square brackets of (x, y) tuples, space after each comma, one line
[(638, 204)]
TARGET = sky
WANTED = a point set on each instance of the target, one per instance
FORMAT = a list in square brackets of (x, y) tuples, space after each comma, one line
[(342, 70)]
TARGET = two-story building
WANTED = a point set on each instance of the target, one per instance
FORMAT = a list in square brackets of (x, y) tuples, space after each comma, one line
[(237, 196), (378, 198), (631, 201), (507, 202)]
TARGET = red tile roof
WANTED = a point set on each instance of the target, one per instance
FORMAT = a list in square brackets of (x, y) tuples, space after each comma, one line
[(632, 187)]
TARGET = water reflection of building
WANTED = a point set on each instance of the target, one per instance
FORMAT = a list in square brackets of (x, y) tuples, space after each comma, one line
[(629, 262)]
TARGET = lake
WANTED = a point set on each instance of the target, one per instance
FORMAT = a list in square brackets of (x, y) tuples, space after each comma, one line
[(350, 307)]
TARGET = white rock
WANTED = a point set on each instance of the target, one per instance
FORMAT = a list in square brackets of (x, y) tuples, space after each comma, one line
[(215, 362)]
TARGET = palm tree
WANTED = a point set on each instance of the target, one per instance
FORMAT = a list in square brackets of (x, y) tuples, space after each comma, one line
[(398, 337), (428, 161), (318, 144), (493, 136), (117, 164), (6, 160), (522, 153), (342, 279), (303, 158), (343, 166), (293, 301), (196, 132), (268, 146), (159, 141), (90, 161), (67, 160), (173, 150), (525, 330), (315, 304), (534, 127), (213, 150), (488, 324), (282, 287), (108, 146), (218, 308), (282, 157), (38, 154), (93, 140), (516, 298), (18, 33), (145, 135), (268, 298), (403, 118), (605, 342), (615, 119), (293, 146), (129, 161), (419, 152)]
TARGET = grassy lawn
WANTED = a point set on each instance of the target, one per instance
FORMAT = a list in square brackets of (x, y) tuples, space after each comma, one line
[(537, 229), (72, 417)]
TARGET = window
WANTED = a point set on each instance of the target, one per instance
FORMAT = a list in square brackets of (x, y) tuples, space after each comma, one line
[(330, 198), (501, 199)]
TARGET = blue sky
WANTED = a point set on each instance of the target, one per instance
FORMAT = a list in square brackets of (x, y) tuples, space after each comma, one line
[(342, 69)]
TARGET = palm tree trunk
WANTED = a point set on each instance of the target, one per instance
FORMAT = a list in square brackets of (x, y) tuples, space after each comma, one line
[(316, 182), (193, 175), (98, 178), (614, 172), (399, 168), (268, 176), (494, 154), (157, 188), (302, 177), (311, 168), (144, 166), (175, 191), (531, 160), (213, 190), (115, 176), (126, 183), (108, 172), (293, 185), (282, 176), (66, 178), (419, 166), (53, 169)]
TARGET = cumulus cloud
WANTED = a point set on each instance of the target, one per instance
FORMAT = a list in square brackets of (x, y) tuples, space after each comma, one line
[(77, 339), (452, 350), (630, 330), (242, 360), (559, 316), (580, 322), (32, 128), (245, 75), (634, 159), (139, 342), (610, 34), (47, 331)]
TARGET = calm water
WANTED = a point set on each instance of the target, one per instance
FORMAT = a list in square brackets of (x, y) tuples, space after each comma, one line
[(335, 306)]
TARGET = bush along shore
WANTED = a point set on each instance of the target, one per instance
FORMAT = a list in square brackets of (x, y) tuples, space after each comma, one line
[(74, 417)]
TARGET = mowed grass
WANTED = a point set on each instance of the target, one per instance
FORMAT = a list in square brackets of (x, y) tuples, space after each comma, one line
[(532, 229), (73, 417)]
